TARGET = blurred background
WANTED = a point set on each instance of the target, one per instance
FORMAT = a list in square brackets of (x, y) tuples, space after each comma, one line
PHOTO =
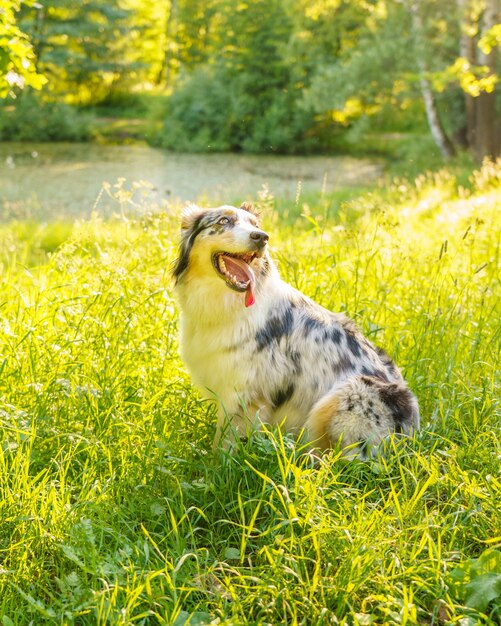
[(298, 95)]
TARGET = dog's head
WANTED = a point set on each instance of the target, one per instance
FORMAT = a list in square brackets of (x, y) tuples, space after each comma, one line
[(225, 244)]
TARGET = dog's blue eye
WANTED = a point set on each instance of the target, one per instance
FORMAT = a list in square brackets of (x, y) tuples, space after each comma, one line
[(223, 220)]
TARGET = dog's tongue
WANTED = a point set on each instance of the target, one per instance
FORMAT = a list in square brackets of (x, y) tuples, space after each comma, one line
[(249, 295), (244, 274)]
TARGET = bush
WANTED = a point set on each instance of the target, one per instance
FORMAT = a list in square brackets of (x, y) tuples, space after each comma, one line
[(33, 120), (282, 128), (198, 116), (210, 111)]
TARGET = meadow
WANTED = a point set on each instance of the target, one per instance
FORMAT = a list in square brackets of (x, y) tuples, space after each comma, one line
[(114, 509)]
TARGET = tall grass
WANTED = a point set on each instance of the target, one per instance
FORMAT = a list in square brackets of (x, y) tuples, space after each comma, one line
[(113, 510)]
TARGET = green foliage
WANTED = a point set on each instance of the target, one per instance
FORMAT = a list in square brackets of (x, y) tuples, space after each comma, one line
[(80, 46), (17, 58), (202, 115), (245, 99), (30, 119), (197, 116), (113, 510), (477, 583), (283, 76)]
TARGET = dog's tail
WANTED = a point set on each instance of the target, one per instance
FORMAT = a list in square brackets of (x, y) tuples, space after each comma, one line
[(360, 412)]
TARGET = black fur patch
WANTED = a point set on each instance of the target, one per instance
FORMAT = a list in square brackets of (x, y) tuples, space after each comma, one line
[(353, 344), (276, 327), (309, 324), (400, 402), (332, 333), (336, 335), (282, 395), (345, 364), (387, 362), (374, 372), (182, 262), (397, 398)]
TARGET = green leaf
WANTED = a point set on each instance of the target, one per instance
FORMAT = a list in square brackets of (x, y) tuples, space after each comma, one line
[(198, 618), (232, 554), (483, 590), (488, 561)]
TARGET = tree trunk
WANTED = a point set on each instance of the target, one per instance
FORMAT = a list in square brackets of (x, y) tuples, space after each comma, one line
[(436, 128), (38, 35), (164, 74), (485, 132)]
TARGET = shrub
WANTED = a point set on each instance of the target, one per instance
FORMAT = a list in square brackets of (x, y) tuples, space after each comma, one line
[(210, 111), (33, 120), (197, 117)]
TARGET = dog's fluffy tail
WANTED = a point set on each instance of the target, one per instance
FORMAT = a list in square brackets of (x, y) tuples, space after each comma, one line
[(360, 412)]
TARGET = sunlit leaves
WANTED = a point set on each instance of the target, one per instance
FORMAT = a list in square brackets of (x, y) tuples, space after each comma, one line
[(80, 46), (17, 58), (473, 79), (491, 39)]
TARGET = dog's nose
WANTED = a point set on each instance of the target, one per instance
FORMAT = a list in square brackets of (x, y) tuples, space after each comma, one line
[(259, 237)]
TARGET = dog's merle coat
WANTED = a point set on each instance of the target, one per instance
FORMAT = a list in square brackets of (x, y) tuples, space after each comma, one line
[(274, 354)]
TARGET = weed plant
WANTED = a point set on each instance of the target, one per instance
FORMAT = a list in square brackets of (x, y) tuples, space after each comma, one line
[(113, 509)]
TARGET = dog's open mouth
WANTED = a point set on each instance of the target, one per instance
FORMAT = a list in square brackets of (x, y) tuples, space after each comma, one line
[(237, 272)]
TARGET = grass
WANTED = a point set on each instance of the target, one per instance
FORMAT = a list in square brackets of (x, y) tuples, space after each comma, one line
[(113, 510)]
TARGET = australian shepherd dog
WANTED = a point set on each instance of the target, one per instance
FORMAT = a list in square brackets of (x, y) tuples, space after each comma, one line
[(268, 354)]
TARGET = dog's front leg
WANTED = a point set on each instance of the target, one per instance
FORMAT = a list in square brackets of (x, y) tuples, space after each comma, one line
[(239, 424)]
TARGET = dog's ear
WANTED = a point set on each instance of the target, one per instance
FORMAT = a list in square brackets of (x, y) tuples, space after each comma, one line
[(250, 208), (189, 216)]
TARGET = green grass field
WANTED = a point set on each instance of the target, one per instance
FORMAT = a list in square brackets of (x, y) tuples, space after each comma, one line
[(113, 509)]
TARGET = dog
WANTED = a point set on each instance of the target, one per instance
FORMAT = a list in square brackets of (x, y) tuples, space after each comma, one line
[(270, 355)]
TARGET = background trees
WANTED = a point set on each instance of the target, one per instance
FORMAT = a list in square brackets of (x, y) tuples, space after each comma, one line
[(80, 47), (420, 49), (276, 75), (17, 58)]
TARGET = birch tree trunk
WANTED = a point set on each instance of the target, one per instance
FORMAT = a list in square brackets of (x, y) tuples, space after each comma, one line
[(436, 128)]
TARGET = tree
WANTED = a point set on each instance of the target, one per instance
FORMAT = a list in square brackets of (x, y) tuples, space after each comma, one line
[(486, 142), (378, 66), (430, 104), (17, 57), (81, 47), (240, 91)]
